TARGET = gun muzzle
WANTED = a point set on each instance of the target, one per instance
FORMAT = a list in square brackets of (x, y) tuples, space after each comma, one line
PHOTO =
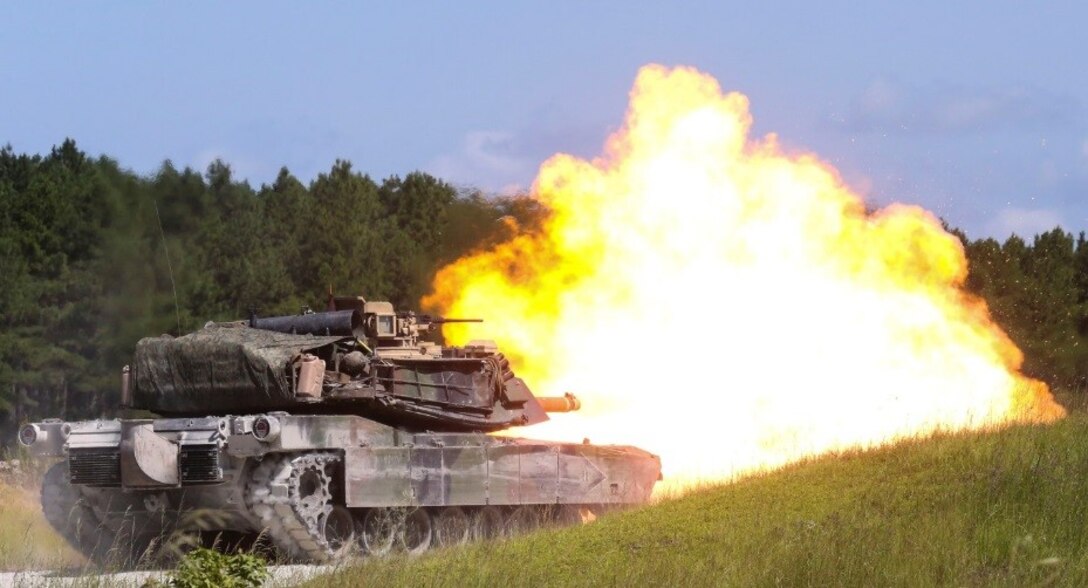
[(564, 403)]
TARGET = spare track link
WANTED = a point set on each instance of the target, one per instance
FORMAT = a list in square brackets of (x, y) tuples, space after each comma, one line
[(290, 495)]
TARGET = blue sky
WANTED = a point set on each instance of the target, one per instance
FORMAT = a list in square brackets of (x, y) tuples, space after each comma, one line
[(975, 110)]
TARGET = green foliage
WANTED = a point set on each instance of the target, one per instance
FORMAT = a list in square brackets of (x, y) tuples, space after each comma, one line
[(1038, 293), (94, 257), (208, 568)]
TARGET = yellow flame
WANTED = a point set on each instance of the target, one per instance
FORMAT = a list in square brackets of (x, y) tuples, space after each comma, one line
[(732, 307)]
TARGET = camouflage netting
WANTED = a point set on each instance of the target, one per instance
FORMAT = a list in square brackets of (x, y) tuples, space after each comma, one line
[(222, 368)]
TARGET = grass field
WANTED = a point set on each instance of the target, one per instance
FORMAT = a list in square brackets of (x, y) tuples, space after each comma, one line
[(1006, 508), (26, 540)]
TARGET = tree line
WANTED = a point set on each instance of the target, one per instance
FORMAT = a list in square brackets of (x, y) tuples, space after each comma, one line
[(1038, 292), (94, 257)]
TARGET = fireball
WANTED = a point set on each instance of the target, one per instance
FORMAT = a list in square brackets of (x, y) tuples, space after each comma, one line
[(731, 306)]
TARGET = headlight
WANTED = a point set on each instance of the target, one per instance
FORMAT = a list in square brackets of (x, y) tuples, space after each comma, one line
[(30, 434), (266, 428)]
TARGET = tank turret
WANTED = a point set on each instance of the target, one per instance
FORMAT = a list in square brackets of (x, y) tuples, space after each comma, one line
[(358, 357)]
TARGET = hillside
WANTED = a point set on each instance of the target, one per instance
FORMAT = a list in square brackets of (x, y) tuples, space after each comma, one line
[(998, 508)]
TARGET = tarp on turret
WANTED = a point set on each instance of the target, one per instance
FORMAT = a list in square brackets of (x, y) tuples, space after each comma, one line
[(220, 369)]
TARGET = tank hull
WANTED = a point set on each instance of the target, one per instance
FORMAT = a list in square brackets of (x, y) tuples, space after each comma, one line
[(319, 486)]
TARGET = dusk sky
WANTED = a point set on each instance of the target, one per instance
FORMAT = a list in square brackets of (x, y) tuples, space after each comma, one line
[(975, 110)]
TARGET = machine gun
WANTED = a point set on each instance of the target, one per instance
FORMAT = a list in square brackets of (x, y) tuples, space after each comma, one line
[(424, 322)]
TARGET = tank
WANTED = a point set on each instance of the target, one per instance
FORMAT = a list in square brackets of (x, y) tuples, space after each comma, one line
[(322, 434)]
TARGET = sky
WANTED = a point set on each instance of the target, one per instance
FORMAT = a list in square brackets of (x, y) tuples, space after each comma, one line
[(977, 111)]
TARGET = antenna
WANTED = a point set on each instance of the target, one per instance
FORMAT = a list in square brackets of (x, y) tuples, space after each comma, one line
[(169, 267)]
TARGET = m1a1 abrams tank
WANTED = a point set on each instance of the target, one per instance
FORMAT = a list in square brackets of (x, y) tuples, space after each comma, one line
[(326, 433)]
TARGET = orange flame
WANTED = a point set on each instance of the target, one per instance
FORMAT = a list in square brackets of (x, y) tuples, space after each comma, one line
[(732, 307)]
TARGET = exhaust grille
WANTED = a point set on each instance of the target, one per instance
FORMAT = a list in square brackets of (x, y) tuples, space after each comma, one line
[(200, 463), (95, 466)]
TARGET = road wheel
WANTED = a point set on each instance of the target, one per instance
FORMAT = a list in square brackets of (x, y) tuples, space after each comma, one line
[(379, 529), (451, 527), (418, 532), (523, 519), (487, 523), (338, 527)]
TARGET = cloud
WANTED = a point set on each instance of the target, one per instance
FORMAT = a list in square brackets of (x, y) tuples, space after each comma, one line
[(505, 159), (491, 159), (942, 108), (1023, 221)]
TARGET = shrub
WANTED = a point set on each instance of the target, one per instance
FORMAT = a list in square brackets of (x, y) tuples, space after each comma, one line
[(208, 568)]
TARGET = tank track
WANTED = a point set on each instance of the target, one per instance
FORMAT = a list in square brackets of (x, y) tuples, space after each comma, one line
[(69, 514), (291, 496)]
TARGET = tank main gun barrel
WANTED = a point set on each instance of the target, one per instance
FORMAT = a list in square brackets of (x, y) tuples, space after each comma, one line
[(346, 323), (437, 320), (565, 403)]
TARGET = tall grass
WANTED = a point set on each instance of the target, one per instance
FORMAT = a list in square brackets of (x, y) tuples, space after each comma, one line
[(1002, 508), (26, 539)]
